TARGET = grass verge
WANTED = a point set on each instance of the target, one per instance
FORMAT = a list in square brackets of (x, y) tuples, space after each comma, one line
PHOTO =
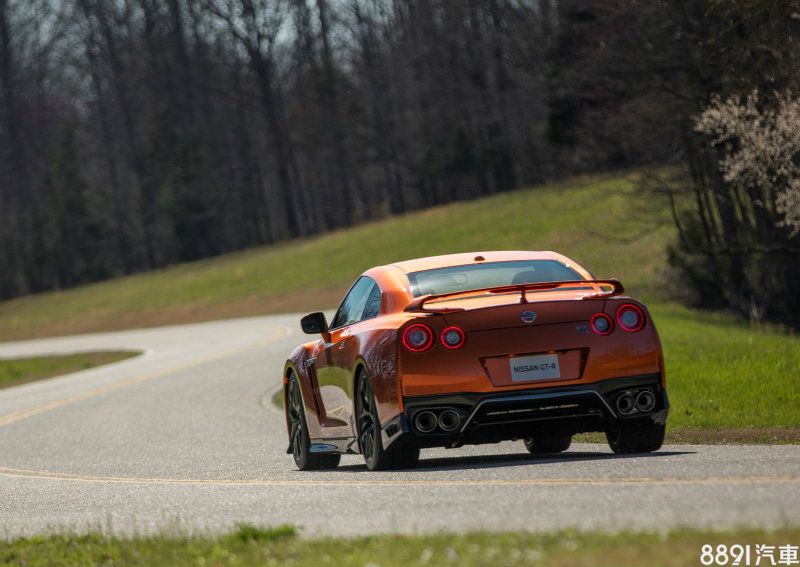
[(277, 398), (734, 382), (21, 370), (253, 546)]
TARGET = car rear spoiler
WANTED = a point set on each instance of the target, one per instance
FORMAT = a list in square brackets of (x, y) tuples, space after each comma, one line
[(615, 286)]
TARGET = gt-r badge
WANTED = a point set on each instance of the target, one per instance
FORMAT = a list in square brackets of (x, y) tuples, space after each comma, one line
[(528, 316)]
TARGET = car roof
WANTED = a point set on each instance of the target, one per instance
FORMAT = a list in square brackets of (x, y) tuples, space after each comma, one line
[(447, 260)]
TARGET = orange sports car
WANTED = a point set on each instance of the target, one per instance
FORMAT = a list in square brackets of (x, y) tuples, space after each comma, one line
[(474, 348)]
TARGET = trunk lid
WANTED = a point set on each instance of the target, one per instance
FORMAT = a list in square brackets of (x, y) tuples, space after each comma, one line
[(533, 314)]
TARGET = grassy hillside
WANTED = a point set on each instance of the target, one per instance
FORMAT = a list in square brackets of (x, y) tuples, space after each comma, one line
[(597, 221), (723, 373)]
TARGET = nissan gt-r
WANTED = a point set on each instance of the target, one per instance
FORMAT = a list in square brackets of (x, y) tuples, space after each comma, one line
[(474, 348)]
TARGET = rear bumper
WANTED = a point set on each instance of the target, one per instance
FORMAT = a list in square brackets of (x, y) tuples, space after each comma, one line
[(564, 410)]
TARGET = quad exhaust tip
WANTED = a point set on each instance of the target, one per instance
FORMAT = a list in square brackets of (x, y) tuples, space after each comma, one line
[(632, 401), (645, 401), (626, 404), (446, 420), (449, 420), (425, 421)]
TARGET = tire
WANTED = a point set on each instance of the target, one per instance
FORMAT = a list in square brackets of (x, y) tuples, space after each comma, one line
[(548, 445), (640, 436), (299, 440), (400, 455)]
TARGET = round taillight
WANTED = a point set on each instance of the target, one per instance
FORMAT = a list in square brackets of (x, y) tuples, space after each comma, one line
[(453, 337), (417, 337), (630, 317), (602, 324)]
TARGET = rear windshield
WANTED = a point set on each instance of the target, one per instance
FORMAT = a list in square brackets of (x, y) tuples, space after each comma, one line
[(490, 274)]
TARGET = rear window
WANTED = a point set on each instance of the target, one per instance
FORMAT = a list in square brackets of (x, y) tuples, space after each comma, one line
[(490, 274)]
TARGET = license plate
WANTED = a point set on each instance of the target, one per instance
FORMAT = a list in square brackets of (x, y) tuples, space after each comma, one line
[(540, 367)]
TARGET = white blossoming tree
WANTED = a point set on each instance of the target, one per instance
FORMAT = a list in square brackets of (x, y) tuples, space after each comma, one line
[(760, 149), (739, 243)]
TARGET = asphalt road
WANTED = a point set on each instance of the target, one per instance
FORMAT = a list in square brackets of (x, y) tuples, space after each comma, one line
[(184, 437)]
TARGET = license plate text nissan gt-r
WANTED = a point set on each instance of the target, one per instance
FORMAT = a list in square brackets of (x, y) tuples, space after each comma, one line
[(474, 348)]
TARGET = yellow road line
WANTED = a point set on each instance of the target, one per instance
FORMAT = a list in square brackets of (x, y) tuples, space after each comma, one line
[(723, 480), (19, 415)]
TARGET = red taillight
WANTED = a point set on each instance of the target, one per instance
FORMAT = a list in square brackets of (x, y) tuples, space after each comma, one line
[(453, 337), (417, 337), (630, 317), (602, 324)]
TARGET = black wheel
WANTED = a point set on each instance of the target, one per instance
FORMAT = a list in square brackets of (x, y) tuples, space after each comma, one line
[(547, 445), (640, 436), (298, 434), (399, 456)]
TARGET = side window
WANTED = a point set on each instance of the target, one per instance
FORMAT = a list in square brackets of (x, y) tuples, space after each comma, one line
[(352, 307), (373, 307)]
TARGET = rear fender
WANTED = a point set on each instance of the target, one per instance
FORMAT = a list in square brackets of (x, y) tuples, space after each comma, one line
[(379, 362), (298, 365), (650, 327)]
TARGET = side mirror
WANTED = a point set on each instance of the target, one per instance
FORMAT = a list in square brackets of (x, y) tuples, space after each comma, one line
[(314, 324)]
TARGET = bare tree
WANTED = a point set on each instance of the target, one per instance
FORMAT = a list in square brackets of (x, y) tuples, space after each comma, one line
[(256, 24)]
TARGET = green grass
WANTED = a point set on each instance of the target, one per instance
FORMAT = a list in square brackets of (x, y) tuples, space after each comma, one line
[(22, 370), (277, 398), (723, 373), (253, 546), (725, 377)]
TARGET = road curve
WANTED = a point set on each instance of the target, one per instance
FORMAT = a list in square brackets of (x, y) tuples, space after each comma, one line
[(184, 437)]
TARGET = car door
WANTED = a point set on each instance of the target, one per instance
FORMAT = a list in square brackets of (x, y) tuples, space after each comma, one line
[(337, 356)]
